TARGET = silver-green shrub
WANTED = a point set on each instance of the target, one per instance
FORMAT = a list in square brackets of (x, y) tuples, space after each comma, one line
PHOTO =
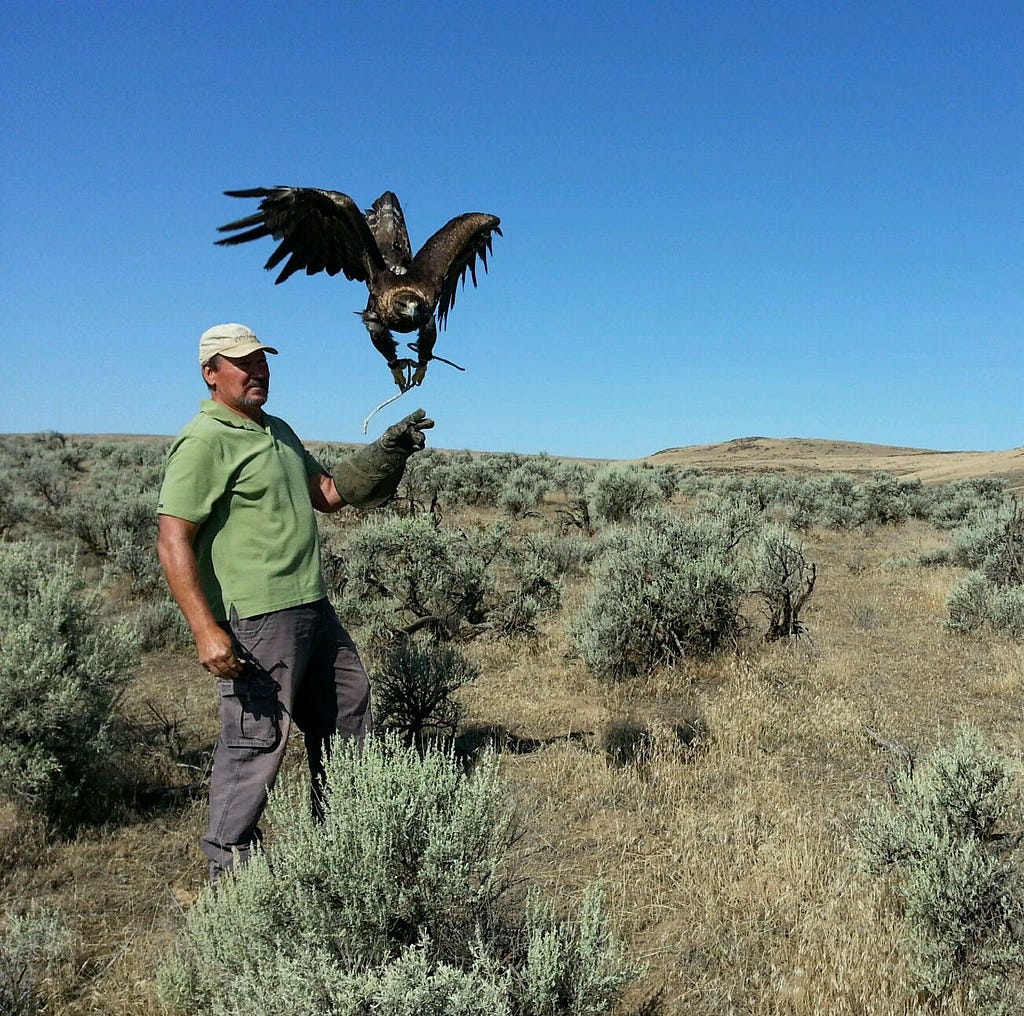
[(969, 603), (32, 944), (950, 504), (112, 516), (992, 594), (992, 542), (886, 500), (401, 902), (434, 479), (617, 493), (571, 966), (423, 574), (437, 481), (61, 673), (665, 478), (932, 557), (1006, 610), (15, 506), (99, 497), (408, 574), (957, 879), (666, 588), (160, 624), (833, 500), (523, 491)]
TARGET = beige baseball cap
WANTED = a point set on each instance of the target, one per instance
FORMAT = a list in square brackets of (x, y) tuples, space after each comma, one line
[(229, 340)]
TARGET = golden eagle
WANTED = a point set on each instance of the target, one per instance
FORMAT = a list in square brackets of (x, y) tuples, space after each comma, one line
[(324, 231)]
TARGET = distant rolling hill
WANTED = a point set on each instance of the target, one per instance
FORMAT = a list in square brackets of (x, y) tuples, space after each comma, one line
[(806, 455)]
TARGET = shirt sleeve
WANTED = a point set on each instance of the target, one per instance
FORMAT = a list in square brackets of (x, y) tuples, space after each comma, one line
[(313, 466), (188, 490)]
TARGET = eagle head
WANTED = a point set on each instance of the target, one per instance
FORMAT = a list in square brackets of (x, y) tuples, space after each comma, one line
[(405, 309)]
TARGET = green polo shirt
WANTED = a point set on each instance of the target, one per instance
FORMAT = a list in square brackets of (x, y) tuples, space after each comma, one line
[(246, 486)]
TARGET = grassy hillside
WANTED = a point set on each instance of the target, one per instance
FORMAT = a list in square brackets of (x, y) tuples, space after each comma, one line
[(804, 455)]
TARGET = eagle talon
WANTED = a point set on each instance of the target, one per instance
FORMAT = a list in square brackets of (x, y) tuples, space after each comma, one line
[(401, 372)]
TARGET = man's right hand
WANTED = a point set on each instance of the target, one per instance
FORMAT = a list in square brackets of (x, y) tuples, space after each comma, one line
[(214, 646), (216, 651)]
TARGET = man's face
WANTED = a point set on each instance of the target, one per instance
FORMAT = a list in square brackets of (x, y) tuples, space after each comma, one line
[(240, 383)]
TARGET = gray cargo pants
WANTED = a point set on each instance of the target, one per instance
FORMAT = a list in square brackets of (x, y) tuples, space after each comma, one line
[(301, 666)]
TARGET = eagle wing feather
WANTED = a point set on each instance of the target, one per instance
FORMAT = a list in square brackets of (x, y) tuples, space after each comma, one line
[(387, 223), (317, 230), (451, 252)]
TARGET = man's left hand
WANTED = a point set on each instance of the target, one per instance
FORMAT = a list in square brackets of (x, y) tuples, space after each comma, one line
[(407, 435)]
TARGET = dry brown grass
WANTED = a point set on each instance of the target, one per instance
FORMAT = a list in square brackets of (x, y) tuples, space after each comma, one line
[(732, 870), (729, 865)]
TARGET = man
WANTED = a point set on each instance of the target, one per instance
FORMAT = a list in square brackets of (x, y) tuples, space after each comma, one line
[(239, 547)]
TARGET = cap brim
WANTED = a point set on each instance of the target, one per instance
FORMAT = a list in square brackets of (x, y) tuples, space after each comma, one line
[(240, 349)]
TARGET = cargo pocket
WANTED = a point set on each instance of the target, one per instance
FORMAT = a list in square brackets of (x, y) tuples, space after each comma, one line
[(248, 713)]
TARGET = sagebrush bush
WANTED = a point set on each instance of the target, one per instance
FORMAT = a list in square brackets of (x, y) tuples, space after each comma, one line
[(664, 589), (62, 671), (47, 478), (992, 542), (885, 500), (439, 481), (15, 507), (617, 493), (932, 557), (160, 624), (111, 513), (571, 967), (403, 575), (1006, 610), (428, 575), (523, 491), (969, 603), (401, 902), (950, 504), (32, 944), (784, 579), (414, 686), (958, 882), (100, 499)]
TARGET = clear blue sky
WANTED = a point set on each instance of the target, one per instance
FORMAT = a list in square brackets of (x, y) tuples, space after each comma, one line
[(721, 219)]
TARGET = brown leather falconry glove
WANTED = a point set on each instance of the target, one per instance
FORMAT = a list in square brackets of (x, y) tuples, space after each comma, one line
[(370, 476)]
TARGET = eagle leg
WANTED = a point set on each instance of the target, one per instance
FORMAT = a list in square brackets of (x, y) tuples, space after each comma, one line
[(384, 342), (423, 347)]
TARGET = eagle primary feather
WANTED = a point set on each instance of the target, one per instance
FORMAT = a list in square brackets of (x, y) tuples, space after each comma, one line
[(324, 231)]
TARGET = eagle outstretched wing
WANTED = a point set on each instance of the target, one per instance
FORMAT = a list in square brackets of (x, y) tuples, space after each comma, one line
[(317, 230), (452, 251)]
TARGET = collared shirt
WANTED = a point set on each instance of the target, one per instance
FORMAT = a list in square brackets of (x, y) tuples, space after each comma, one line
[(246, 487)]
